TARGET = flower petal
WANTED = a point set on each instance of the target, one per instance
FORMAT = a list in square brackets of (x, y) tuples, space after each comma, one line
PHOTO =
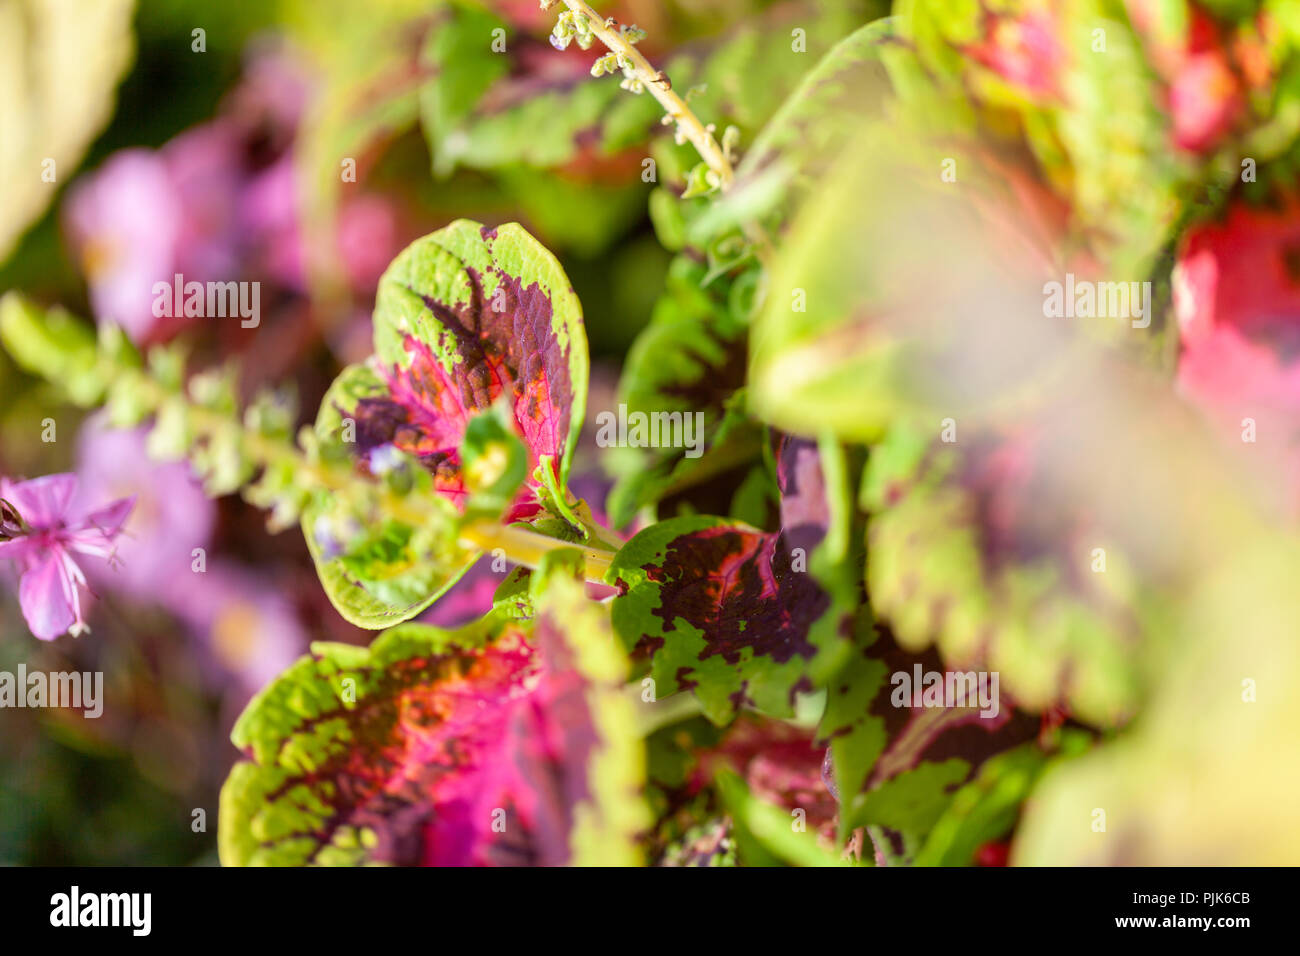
[(98, 529), (110, 518), (43, 501), (15, 549), (43, 594)]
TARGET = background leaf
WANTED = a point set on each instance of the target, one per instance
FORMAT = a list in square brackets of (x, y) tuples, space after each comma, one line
[(60, 63)]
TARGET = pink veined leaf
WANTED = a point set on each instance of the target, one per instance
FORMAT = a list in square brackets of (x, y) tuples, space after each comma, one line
[(464, 317), (474, 747), (467, 319)]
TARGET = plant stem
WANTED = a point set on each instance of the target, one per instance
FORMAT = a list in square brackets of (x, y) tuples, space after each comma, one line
[(528, 547), (654, 715), (520, 545), (687, 122)]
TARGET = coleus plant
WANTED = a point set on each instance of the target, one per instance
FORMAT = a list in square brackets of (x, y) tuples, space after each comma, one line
[(900, 475)]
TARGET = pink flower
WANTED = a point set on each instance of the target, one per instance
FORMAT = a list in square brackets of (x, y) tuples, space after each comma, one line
[(1205, 95), (1243, 274), (1022, 50), (1237, 300), (367, 239), (125, 224), (144, 216), (269, 219), (51, 533), (1204, 100), (172, 515)]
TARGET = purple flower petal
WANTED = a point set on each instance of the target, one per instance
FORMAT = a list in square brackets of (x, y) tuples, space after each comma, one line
[(43, 501), (104, 524), (170, 519), (125, 222), (48, 596), (16, 549)]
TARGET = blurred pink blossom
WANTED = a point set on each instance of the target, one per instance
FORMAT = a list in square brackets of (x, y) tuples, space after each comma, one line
[(172, 515), (49, 591), (1237, 301), (1022, 49), (1205, 101), (125, 224), (249, 630), (144, 216), (1205, 96)]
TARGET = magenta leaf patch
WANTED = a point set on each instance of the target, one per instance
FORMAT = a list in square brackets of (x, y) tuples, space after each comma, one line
[(472, 747)]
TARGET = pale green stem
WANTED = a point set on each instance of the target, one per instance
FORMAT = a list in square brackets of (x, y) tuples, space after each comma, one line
[(657, 83), (519, 545), (656, 714)]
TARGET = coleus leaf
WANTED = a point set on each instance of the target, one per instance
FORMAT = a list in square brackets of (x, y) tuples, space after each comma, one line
[(497, 129), (893, 294), (504, 742), (487, 118), (1084, 101), (465, 318), (1220, 724), (763, 832), (810, 129), (987, 808), (781, 765), (740, 616), (466, 67), (390, 575), (916, 768), (896, 766), (690, 360), (60, 78), (970, 546)]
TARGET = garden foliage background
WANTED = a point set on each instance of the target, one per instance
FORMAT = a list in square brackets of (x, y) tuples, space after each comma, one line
[(909, 458)]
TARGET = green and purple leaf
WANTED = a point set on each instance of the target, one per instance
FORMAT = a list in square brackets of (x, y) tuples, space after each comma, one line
[(502, 743), (467, 319), (807, 134), (482, 109), (740, 616), (896, 767), (689, 359), (976, 548), (463, 317)]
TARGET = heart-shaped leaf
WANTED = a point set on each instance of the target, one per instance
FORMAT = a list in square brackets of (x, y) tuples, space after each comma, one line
[(465, 318)]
